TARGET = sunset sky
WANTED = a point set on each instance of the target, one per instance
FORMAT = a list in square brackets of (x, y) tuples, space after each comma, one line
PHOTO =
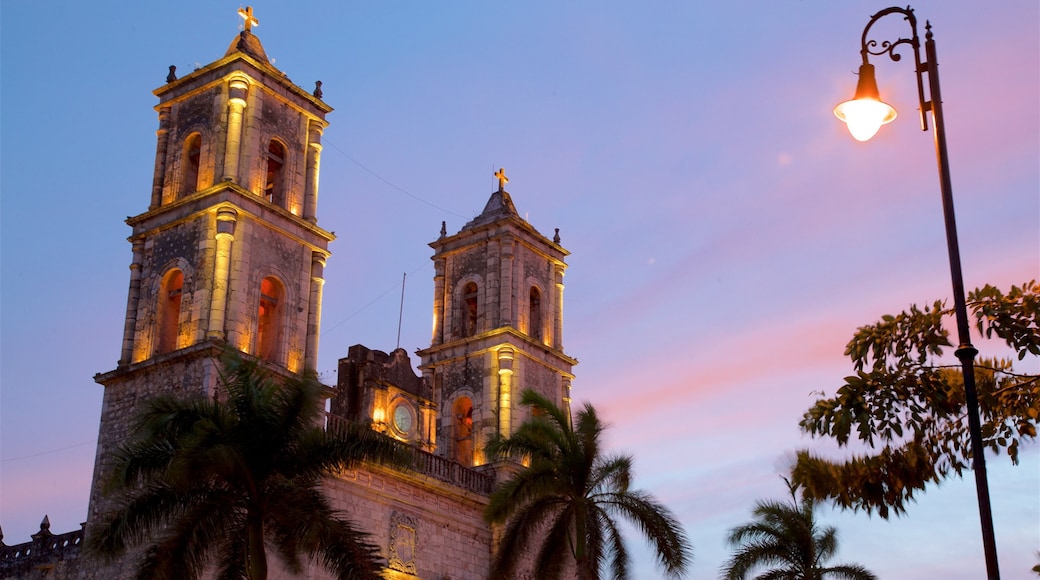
[(727, 235)]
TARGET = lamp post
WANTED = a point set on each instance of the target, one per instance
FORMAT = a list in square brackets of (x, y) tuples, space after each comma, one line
[(865, 114)]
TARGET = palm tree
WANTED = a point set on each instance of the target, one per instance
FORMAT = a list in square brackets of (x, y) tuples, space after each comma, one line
[(219, 481), (567, 498), (786, 539)]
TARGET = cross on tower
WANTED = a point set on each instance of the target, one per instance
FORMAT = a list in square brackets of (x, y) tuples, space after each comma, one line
[(502, 179), (247, 15)]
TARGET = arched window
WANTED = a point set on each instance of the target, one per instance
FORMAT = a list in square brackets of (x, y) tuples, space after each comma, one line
[(534, 320), (191, 161), (274, 189), (269, 319), (462, 430), (469, 309), (169, 314)]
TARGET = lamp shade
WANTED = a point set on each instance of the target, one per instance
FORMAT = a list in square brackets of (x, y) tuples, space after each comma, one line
[(865, 113)]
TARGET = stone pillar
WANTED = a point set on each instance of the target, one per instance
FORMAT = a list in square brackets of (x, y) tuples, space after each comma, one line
[(505, 291), (161, 148), (433, 390), (492, 299), (439, 315), (450, 309), (226, 218), (428, 424), (505, 387), (237, 91), (567, 397), (558, 310), (310, 360), (133, 298), (310, 192)]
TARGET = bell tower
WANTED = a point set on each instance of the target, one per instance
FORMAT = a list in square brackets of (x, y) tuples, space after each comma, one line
[(229, 252), (497, 327)]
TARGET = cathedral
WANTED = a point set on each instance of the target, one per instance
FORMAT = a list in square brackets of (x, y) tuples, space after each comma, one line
[(230, 252)]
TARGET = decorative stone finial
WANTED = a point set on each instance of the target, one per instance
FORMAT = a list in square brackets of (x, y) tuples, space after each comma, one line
[(173, 74), (317, 89), (502, 179), (556, 238), (247, 15), (45, 529), (444, 229)]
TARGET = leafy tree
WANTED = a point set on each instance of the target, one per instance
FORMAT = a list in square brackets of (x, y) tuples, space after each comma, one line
[(787, 539), (902, 399), (567, 498), (222, 480)]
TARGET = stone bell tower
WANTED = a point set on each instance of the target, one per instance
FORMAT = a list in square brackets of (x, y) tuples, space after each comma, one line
[(229, 251), (497, 327)]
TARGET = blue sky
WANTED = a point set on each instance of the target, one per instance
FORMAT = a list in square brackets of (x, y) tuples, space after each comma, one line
[(727, 234)]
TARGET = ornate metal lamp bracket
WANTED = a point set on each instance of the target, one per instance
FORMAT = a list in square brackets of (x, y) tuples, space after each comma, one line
[(873, 47)]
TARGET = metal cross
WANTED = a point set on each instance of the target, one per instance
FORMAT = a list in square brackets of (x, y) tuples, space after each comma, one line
[(502, 179), (247, 15)]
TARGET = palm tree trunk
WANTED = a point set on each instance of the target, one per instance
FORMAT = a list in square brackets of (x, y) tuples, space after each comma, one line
[(256, 556), (585, 569)]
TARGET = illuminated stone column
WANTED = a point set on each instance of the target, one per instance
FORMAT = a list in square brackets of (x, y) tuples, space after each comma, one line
[(226, 218), (505, 387), (558, 310), (439, 315), (428, 422), (310, 361), (310, 192), (567, 397), (431, 411), (133, 298), (161, 147), (237, 92)]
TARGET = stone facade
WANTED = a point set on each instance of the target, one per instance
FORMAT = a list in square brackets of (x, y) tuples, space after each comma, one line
[(428, 529), (48, 555), (229, 254), (498, 327)]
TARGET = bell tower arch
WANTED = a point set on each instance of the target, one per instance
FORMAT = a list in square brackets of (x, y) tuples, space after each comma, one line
[(497, 326), (228, 252)]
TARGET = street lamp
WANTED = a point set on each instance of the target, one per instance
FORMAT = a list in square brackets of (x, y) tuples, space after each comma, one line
[(865, 114)]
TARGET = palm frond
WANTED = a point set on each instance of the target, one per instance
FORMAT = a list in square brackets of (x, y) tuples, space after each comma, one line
[(566, 466), (529, 520), (555, 550), (197, 470), (847, 572), (617, 552), (786, 540), (658, 525), (187, 543)]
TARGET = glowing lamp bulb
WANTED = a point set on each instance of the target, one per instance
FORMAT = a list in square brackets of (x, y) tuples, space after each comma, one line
[(865, 113), (864, 116)]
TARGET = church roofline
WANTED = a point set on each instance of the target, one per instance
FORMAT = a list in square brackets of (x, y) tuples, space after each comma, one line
[(248, 43), (264, 70), (498, 206), (467, 232)]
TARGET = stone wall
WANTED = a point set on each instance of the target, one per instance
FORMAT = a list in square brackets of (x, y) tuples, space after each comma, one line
[(424, 526)]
